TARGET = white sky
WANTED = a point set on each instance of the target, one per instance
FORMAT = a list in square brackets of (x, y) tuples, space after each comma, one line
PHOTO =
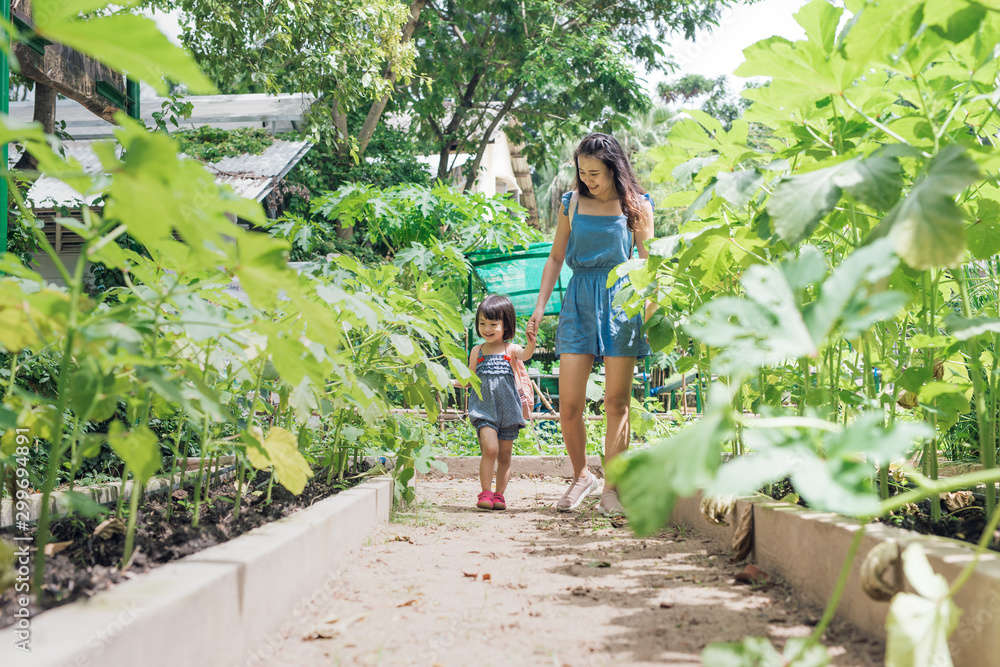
[(720, 51)]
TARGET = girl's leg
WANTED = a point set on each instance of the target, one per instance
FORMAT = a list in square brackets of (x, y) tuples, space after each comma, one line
[(506, 447), (618, 378), (574, 369), (489, 446)]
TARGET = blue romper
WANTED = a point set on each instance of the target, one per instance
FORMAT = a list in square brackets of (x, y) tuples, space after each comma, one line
[(500, 406), (588, 323)]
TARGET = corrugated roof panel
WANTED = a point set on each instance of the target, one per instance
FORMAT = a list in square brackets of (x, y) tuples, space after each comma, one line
[(250, 176)]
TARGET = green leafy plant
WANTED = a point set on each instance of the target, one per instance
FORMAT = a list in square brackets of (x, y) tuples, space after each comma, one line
[(827, 278)]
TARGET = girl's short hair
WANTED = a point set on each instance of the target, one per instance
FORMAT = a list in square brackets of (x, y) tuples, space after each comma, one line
[(498, 307), (606, 148)]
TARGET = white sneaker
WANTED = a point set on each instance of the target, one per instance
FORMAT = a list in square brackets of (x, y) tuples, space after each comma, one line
[(581, 487)]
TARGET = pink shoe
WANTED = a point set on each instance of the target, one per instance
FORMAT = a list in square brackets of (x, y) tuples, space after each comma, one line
[(498, 502), (485, 500)]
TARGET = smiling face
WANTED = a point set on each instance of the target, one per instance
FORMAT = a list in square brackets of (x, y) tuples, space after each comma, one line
[(490, 330), (598, 177)]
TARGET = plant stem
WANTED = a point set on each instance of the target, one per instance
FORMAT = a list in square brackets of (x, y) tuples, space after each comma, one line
[(987, 448), (133, 514), (58, 445), (838, 590)]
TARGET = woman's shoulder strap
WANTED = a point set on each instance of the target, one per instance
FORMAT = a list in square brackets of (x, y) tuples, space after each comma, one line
[(571, 201)]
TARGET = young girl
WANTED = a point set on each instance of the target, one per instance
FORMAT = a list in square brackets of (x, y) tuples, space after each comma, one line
[(598, 226), (497, 416)]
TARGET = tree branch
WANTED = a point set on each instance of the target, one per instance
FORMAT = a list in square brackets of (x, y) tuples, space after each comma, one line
[(375, 112), (473, 172)]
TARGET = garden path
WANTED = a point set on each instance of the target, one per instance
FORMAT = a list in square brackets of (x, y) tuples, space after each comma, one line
[(549, 589)]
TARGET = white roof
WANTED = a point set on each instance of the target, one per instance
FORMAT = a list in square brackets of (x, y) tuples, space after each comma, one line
[(251, 176), (276, 113)]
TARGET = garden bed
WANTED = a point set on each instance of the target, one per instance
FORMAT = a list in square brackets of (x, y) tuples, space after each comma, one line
[(229, 600), (89, 551)]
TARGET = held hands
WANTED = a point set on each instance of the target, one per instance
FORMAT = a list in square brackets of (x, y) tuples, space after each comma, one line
[(531, 329)]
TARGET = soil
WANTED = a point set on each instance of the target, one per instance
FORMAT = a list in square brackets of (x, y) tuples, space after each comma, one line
[(447, 584), (963, 523), (90, 563)]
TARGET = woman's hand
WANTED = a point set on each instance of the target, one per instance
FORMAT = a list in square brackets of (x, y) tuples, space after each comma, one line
[(534, 323)]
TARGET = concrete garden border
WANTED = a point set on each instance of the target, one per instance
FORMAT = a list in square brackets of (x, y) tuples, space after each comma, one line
[(221, 606), (806, 550)]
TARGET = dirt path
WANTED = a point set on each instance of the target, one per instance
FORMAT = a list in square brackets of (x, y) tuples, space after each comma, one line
[(550, 589)]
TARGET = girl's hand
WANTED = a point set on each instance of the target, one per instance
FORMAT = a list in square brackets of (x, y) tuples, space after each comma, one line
[(530, 331)]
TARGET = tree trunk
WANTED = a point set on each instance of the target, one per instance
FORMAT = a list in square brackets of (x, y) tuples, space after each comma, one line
[(473, 171), (375, 113), (456, 121), (45, 113), (340, 122)]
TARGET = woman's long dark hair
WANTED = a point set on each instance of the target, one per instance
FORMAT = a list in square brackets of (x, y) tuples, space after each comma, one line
[(605, 148)]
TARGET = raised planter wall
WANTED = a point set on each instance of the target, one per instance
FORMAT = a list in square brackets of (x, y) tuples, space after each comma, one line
[(219, 607)]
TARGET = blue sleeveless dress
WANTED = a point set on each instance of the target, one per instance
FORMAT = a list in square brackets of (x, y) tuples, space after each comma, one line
[(588, 323)]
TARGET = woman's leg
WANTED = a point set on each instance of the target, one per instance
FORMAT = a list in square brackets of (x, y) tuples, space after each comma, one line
[(506, 447), (618, 377), (574, 369), (489, 446)]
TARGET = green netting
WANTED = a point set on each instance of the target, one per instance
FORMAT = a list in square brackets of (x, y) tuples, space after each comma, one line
[(518, 274)]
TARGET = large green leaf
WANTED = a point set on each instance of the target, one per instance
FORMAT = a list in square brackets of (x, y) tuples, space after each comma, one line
[(927, 226), (862, 267), (880, 29), (799, 202), (984, 233), (132, 44), (280, 450), (650, 480), (738, 187), (138, 448), (918, 625)]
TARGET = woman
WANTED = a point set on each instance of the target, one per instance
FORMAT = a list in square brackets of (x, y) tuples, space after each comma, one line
[(601, 221)]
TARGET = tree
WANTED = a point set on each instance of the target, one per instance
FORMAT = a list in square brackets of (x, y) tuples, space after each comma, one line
[(349, 53), (717, 103), (557, 67)]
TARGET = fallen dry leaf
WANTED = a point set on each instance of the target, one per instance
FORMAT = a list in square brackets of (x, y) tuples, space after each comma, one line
[(957, 500), (52, 548), (179, 494), (408, 603), (753, 575), (488, 578), (109, 528), (334, 626), (666, 605), (471, 574)]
